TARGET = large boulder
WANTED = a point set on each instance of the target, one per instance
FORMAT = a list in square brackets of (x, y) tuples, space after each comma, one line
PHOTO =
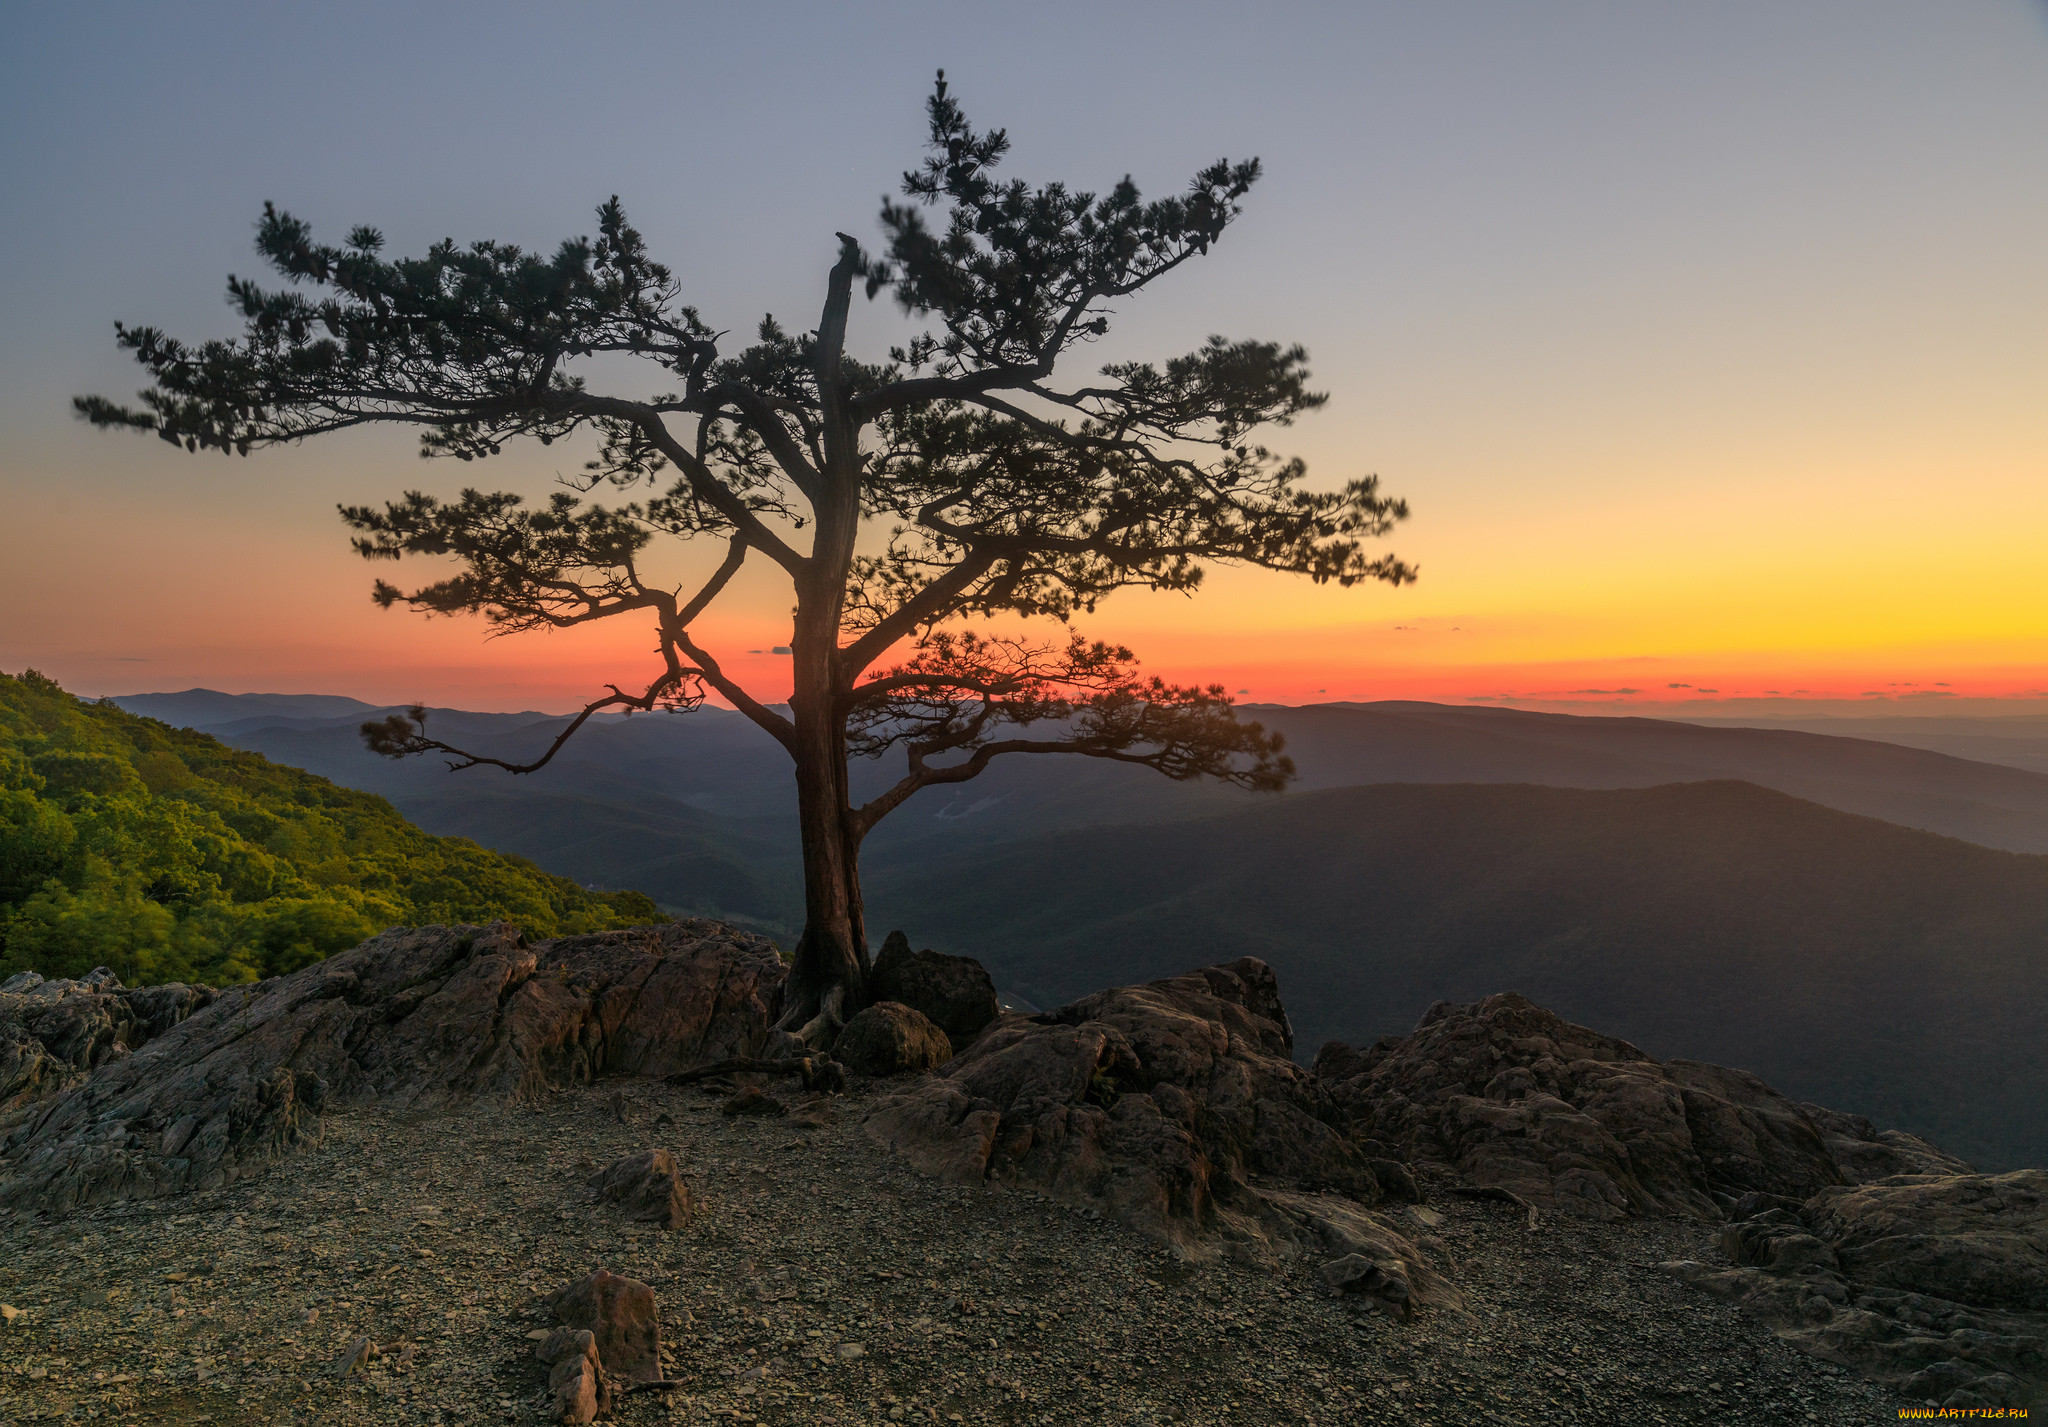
[(1172, 1107), (623, 1319), (1935, 1284), (414, 1018), (1575, 1122), (953, 992), (890, 1038)]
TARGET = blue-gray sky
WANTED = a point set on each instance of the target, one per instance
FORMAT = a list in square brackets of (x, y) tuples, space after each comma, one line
[(1706, 339)]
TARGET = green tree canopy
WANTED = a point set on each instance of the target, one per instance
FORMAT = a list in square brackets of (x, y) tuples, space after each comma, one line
[(168, 856)]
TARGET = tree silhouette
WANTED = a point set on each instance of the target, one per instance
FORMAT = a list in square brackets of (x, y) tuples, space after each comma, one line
[(982, 486)]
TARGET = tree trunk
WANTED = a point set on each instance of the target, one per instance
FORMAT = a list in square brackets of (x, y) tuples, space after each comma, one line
[(828, 977)]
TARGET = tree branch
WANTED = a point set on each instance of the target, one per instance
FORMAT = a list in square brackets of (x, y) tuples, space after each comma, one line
[(403, 735)]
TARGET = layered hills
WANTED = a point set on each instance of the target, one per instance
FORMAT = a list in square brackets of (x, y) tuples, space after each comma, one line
[(1607, 867), (696, 811)]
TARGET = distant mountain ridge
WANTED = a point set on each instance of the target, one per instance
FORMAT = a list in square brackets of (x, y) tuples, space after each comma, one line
[(1606, 867), (207, 708)]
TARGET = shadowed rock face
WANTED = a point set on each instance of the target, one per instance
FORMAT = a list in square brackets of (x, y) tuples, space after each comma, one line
[(1171, 1106), (415, 1017), (954, 992), (1936, 1284), (1579, 1123)]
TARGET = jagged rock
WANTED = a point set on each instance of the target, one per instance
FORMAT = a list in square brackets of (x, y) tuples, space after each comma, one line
[(27, 1071), (623, 1319), (576, 1377), (1172, 1107), (157, 1008), (1937, 1284), (1575, 1122), (51, 1032), (647, 1188), (954, 992), (415, 1017), (890, 1038)]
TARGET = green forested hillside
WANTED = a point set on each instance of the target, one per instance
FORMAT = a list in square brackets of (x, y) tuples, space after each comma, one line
[(167, 855)]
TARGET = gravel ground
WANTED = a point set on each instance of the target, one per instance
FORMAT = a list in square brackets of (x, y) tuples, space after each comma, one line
[(822, 1282)]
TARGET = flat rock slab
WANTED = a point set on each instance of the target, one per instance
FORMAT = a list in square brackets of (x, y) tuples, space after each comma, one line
[(1935, 1284), (1578, 1123), (416, 1017)]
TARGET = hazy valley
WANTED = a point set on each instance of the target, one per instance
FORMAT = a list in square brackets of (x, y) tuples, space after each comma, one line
[(1426, 853)]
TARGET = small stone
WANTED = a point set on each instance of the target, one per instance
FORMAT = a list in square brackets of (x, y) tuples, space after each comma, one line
[(852, 1350), (577, 1379), (8, 1313), (647, 1187), (356, 1357), (753, 1100), (537, 1335), (1385, 1283)]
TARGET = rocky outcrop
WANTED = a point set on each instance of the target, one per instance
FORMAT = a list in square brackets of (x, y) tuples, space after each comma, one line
[(954, 992), (1574, 1122), (417, 1017), (53, 1032), (1171, 1106), (647, 1187), (890, 1038), (1936, 1284)]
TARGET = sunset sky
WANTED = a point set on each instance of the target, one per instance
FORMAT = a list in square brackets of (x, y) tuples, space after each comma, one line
[(1709, 342)]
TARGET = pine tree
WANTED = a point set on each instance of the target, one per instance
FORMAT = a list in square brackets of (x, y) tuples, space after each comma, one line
[(983, 486)]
